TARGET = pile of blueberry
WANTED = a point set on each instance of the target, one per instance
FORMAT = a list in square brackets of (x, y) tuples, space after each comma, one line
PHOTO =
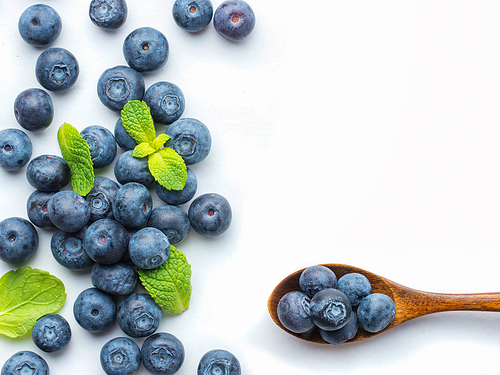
[(337, 307), (114, 229)]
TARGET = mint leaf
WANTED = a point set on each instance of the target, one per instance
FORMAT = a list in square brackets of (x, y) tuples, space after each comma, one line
[(27, 294), (147, 148), (168, 168), (75, 150), (169, 284), (138, 122)]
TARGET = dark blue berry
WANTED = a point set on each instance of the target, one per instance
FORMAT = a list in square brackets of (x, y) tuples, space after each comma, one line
[(118, 278), (166, 102), (120, 356), (293, 312), (376, 311), (149, 248), (48, 173), (94, 310), (172, 220), (106, 241), (132, 205), (182, 196), (100, 198), (316, 278), (36, 207), (219, 361), (145, 49), (234, 20), (18, 240), (330, 309), (355, 286), (343, 334), (117, 85), (102, 145), (39, 25), (139, 315), (69, 251), (33, 109), (15, 149), (210, 214), (68, 211), (192, 15), (51, 333), (57, 69), (123, 139), (191, 139), (25, 362), (108, 14), (128, 168), (162, 354)]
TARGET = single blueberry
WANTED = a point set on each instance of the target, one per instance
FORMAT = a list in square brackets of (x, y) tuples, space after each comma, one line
[(145, 49), (139, 315), (132, 205), (108, 14), (191, 139), (293, 312), (36, 207), (162, 354), (100, 198), (102, 145), (234, 20), (166, 102), (48, 173), (39, 25), (94, 310), (219, 361), (18, 240), (57, 69), (15, 149), (33, 109), (355, 286), (68, 211), (182, 196), (120, 356), (210, 214), (106, 241), (118, 278), (330, 309), (192, 15), (25, 362), (123, 139), (172, 220), (51, 333), (316, 278), (149, 248), (128, 168), (376, 311), (343, 334), (68, 249), (118, 85)]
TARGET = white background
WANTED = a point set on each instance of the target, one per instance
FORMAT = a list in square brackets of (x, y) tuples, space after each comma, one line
[(361, 132)]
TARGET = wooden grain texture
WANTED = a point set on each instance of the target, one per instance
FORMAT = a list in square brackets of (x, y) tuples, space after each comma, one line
[(410, 303)]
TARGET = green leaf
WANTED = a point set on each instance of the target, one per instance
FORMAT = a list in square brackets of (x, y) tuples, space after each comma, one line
[(138, 122), (75, 150), (147, 148), (168, 168), (169, 284), (160, 141), (26, 294)]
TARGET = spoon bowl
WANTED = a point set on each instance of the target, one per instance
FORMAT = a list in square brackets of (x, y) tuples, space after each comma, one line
[(410, 303)]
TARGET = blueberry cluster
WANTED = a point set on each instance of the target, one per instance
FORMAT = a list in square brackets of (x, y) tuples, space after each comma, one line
[(337, 307)]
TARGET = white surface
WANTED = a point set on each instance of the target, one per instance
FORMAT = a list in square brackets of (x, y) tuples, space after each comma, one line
[(361, 132)]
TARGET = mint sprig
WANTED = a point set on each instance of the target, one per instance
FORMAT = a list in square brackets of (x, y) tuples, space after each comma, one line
[(165, 164)]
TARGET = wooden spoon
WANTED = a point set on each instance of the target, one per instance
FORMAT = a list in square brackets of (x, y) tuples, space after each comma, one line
[(410, 303)]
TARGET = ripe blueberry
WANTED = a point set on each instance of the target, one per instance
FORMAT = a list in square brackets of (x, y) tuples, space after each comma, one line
[(15, 149)]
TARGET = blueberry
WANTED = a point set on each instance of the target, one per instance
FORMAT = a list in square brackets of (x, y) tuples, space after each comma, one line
[(182, 196), (166, 102), (343, 334), (210, 214), (94, 310), (293, 312), (128, 168), (330, 309), (33, 109), (162, 354), (68, 211), (192, 15), (106, 241), (191, 139), (123, 139), (108, 14), (56, 69), (149, 248), (145, 49), (139, 315), (120, 356), (316, 278), (118, 278), (132, 205), (100, 198), (69, 251), (39, 25), (219, 361), (15, 149), (25, 362), (102, 145), (48, 173), (51, 333), (18, 240), (234, 20), (172, 220), (376, 311), (36, 207), (117, 85), (355, 286)]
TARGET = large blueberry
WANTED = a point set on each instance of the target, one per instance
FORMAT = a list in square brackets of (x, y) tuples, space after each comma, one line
[(117, 85), (36, 207), (106, 241), (343, 334), (234, 20), (316, 278), (139, 315), (182, 196), (376, 311), (293, 312), (162, 354), (330, 309), (210, 214), (94, 310), (123, 139), (355, 286), (219, 361), (51, 333), (18, 240), (191, 139), (192, 15), (166, 102), (100, 198), (128, 168), (145, 49), (132, 205), (33, 109), (68, 249), (57, 69), (172, 220), (118, 278), (149, 248), (120, 356), (39, 25), (15, 149), (48, 173), (68, 211), (25, 362), (102, 145), (108, 14)]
